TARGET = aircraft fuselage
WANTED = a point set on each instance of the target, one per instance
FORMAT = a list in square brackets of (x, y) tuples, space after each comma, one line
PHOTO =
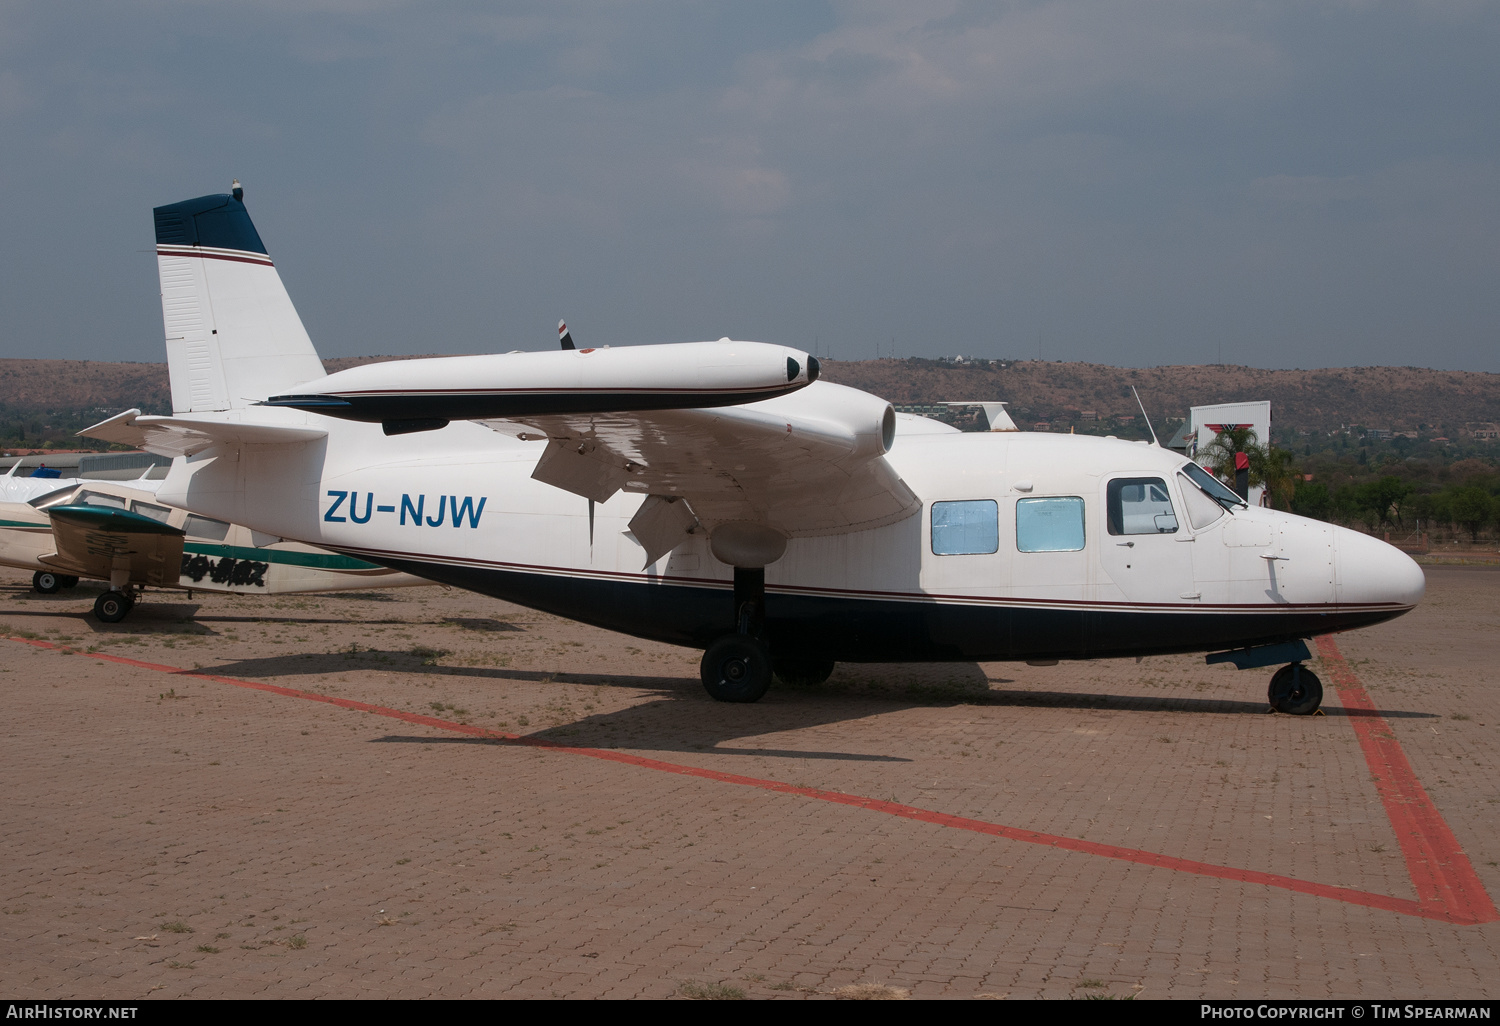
[(1026, 546)]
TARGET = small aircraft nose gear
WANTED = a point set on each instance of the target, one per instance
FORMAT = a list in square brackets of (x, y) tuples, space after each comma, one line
[(1295, 690), (113, 606)]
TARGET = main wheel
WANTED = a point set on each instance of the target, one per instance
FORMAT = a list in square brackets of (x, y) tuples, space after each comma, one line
[(1295, 690), (736, 668), (68, 581), (112, 606), (46, 582), (803, 673)]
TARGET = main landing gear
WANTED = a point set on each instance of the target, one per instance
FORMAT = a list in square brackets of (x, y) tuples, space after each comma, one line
[(113, 606), (48, 583), (1295, 690), (738, 667)]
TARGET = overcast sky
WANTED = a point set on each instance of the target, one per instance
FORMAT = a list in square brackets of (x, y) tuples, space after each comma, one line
[(1296, 184)]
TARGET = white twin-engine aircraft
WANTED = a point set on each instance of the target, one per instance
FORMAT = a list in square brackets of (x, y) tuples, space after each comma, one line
[(734, 502)]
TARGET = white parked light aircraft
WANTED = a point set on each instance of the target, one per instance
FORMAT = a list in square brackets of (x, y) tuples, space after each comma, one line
[(734, 502)]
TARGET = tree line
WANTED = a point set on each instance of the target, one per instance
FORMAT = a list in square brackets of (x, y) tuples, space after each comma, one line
[(1396, 494)]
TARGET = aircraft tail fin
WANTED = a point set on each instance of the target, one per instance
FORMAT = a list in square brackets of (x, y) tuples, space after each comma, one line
[(233, 336)]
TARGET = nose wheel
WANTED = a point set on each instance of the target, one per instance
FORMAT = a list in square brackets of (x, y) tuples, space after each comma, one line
[(1295, 690)]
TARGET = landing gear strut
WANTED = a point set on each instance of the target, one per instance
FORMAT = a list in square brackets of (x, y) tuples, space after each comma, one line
[(737, 667), (1295, 690)]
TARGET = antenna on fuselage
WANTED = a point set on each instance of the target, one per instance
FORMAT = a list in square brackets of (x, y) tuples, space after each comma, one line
[(1146, 416)]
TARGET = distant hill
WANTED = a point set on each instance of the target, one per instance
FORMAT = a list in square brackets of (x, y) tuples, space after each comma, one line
[(1398, 398)]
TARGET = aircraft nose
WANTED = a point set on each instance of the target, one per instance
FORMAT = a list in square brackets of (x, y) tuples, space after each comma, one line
[(1370, 571)]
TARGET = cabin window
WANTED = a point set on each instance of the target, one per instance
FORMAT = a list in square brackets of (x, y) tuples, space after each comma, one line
[(1140, 505), (203, 527), (1049, 524), (969, 527), (146, 509)]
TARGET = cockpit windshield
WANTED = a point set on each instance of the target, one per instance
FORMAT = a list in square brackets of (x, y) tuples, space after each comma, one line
[(1213, 486), (53, 498)]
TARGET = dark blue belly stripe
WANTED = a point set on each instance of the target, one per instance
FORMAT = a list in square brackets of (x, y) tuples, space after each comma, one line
[(869, 630)]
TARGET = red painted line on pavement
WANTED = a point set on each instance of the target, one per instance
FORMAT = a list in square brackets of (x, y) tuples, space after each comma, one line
[(1440, 871), (1457, 912)]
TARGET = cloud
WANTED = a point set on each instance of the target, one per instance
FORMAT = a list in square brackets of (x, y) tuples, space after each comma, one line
[(1122, 180)]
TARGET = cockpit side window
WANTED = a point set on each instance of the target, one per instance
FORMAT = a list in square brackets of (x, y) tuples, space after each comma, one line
[(99, 499), (1201, 510), (1140, 505), (1212, 486)]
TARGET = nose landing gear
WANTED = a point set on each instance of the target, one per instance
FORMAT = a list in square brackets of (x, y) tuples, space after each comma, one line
[(1295, 690)]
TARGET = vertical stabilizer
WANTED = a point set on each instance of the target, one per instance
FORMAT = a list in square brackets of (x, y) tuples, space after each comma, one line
[(233, 336)]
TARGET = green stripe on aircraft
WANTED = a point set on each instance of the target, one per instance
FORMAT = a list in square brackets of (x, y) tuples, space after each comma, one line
[(288, 557)]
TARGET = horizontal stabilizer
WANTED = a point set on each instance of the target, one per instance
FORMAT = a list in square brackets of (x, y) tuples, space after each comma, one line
[(187, 436), (107, 518), (693, 375), (115, 545)]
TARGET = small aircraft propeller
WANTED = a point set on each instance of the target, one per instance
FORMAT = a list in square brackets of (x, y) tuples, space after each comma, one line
[(564, 336)]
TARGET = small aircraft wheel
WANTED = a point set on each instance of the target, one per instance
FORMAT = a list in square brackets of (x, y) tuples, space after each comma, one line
[(112, 606), (67, 581), (46, 582), (736, 668), (803, 673), (1295, 690)]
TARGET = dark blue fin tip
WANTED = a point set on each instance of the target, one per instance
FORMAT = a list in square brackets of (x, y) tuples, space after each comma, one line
[(219, 222)]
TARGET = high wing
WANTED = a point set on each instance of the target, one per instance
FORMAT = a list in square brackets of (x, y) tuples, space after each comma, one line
[(811, 463), (653, 420), (188, 435)]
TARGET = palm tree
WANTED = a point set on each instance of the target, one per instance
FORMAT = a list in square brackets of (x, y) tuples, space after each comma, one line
[(1221, 452), (1276, 470), (1269, 466)]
